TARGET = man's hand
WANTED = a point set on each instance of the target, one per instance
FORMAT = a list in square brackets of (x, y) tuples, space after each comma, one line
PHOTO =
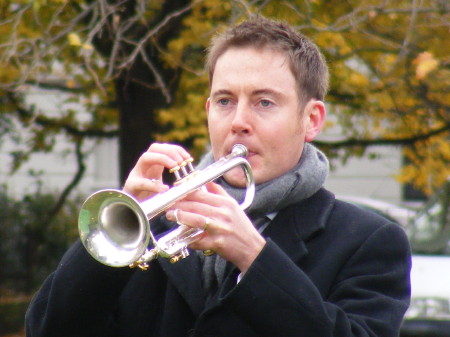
[(145, 179), (230, 233)]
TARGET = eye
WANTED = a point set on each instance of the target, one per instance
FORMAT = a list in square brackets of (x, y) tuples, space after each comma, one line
[(223, 101), (265, 103)]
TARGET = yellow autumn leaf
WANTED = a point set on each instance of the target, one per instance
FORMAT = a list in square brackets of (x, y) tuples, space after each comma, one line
[(425, 64), (87, 46), (74, 39), (70, 84)]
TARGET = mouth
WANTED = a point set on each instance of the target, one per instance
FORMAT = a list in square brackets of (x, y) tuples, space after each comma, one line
[(250, 152)]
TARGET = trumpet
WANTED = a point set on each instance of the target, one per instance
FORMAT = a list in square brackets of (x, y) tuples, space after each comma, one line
[(115, 228)]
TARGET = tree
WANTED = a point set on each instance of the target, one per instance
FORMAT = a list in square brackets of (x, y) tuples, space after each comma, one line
[(121, 81), (389, 78), (136, 67), (33, 240)]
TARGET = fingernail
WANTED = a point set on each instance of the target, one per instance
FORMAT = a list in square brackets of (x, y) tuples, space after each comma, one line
[(170, 216)]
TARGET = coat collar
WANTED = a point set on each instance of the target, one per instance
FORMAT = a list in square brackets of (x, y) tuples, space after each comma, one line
[(298, 223)]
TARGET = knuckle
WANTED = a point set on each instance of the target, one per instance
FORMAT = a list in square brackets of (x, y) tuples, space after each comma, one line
[(219, 243)]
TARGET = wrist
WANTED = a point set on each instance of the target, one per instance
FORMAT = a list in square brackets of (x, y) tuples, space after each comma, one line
[(251, 253)]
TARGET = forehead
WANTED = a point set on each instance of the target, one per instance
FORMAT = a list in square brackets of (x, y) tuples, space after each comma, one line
[(255, 54), (253, 64)]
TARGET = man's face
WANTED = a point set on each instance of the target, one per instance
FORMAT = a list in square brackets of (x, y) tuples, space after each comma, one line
[(254, 102)]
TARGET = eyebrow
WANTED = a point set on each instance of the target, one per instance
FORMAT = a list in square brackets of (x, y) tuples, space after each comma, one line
[(221, 92), (266, 91)]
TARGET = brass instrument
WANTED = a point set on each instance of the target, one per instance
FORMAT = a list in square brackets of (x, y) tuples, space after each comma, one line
[(115, 228)]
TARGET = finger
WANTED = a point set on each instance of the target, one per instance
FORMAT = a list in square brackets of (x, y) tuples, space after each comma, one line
[(189, 219), (148, 160), (174, 152), (142, 188), (159, 156), (144, 184), (165, 155), (211, 198), (197, 209)]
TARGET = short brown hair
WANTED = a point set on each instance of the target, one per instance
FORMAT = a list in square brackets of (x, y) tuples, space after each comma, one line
[(306, 61)]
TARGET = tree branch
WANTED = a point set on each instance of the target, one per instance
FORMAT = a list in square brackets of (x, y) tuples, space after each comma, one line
[(81, 168), (70, 129), (357, 142)]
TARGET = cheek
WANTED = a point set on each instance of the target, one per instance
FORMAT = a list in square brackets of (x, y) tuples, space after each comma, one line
[(212, 127), (284, 138), (216, 136), (287, 145), (216, 132)]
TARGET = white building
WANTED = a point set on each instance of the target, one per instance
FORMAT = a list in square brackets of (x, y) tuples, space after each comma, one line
[(359, 177), (57, 169)]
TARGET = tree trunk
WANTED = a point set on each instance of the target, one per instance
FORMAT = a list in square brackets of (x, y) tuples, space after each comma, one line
[(138, 93), (137, 124)]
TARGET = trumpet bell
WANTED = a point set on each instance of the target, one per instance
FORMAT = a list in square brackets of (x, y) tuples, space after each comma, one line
[(113, 228)]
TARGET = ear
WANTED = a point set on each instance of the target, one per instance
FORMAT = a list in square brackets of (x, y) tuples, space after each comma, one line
[(314, 118), (207, 105)]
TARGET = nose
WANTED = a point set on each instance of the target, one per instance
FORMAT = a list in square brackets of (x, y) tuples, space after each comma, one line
[(242, 120)]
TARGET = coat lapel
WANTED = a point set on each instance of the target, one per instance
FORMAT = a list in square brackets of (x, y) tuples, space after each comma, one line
[(294, 226), (185, 274)]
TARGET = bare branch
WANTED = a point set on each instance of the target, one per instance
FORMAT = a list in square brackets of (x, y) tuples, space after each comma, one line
[(158, 77), (141, 44), (357, 142), (70, 129), (81, 168)]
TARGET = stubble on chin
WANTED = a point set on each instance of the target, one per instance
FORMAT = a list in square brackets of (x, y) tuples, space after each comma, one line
[(236, 177)]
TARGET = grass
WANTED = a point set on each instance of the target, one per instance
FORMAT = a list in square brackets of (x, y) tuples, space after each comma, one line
[(12, 314)]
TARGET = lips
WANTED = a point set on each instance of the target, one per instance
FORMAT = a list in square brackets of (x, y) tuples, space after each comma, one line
[(250, 152)]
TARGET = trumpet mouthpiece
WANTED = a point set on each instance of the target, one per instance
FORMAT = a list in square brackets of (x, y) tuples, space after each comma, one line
[(239, 150)]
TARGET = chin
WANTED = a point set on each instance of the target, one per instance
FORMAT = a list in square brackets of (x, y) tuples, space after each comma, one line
[(236, 178)]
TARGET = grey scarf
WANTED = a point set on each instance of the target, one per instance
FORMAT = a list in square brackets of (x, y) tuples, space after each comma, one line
[(302, 181)]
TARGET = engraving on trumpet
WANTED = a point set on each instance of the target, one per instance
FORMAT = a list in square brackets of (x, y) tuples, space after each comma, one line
[(115, 228)]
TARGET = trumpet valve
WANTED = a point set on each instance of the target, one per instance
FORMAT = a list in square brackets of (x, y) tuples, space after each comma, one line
[(183, 170), (176, 171), (189, 162)]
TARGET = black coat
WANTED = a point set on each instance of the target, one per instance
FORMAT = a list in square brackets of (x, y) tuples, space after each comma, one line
[(328, 269)]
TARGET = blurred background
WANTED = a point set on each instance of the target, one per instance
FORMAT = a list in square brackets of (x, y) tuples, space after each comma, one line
[(86, 86)]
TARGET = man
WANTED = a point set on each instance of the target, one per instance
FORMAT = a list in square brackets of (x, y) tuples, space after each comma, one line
[(296, 263)]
